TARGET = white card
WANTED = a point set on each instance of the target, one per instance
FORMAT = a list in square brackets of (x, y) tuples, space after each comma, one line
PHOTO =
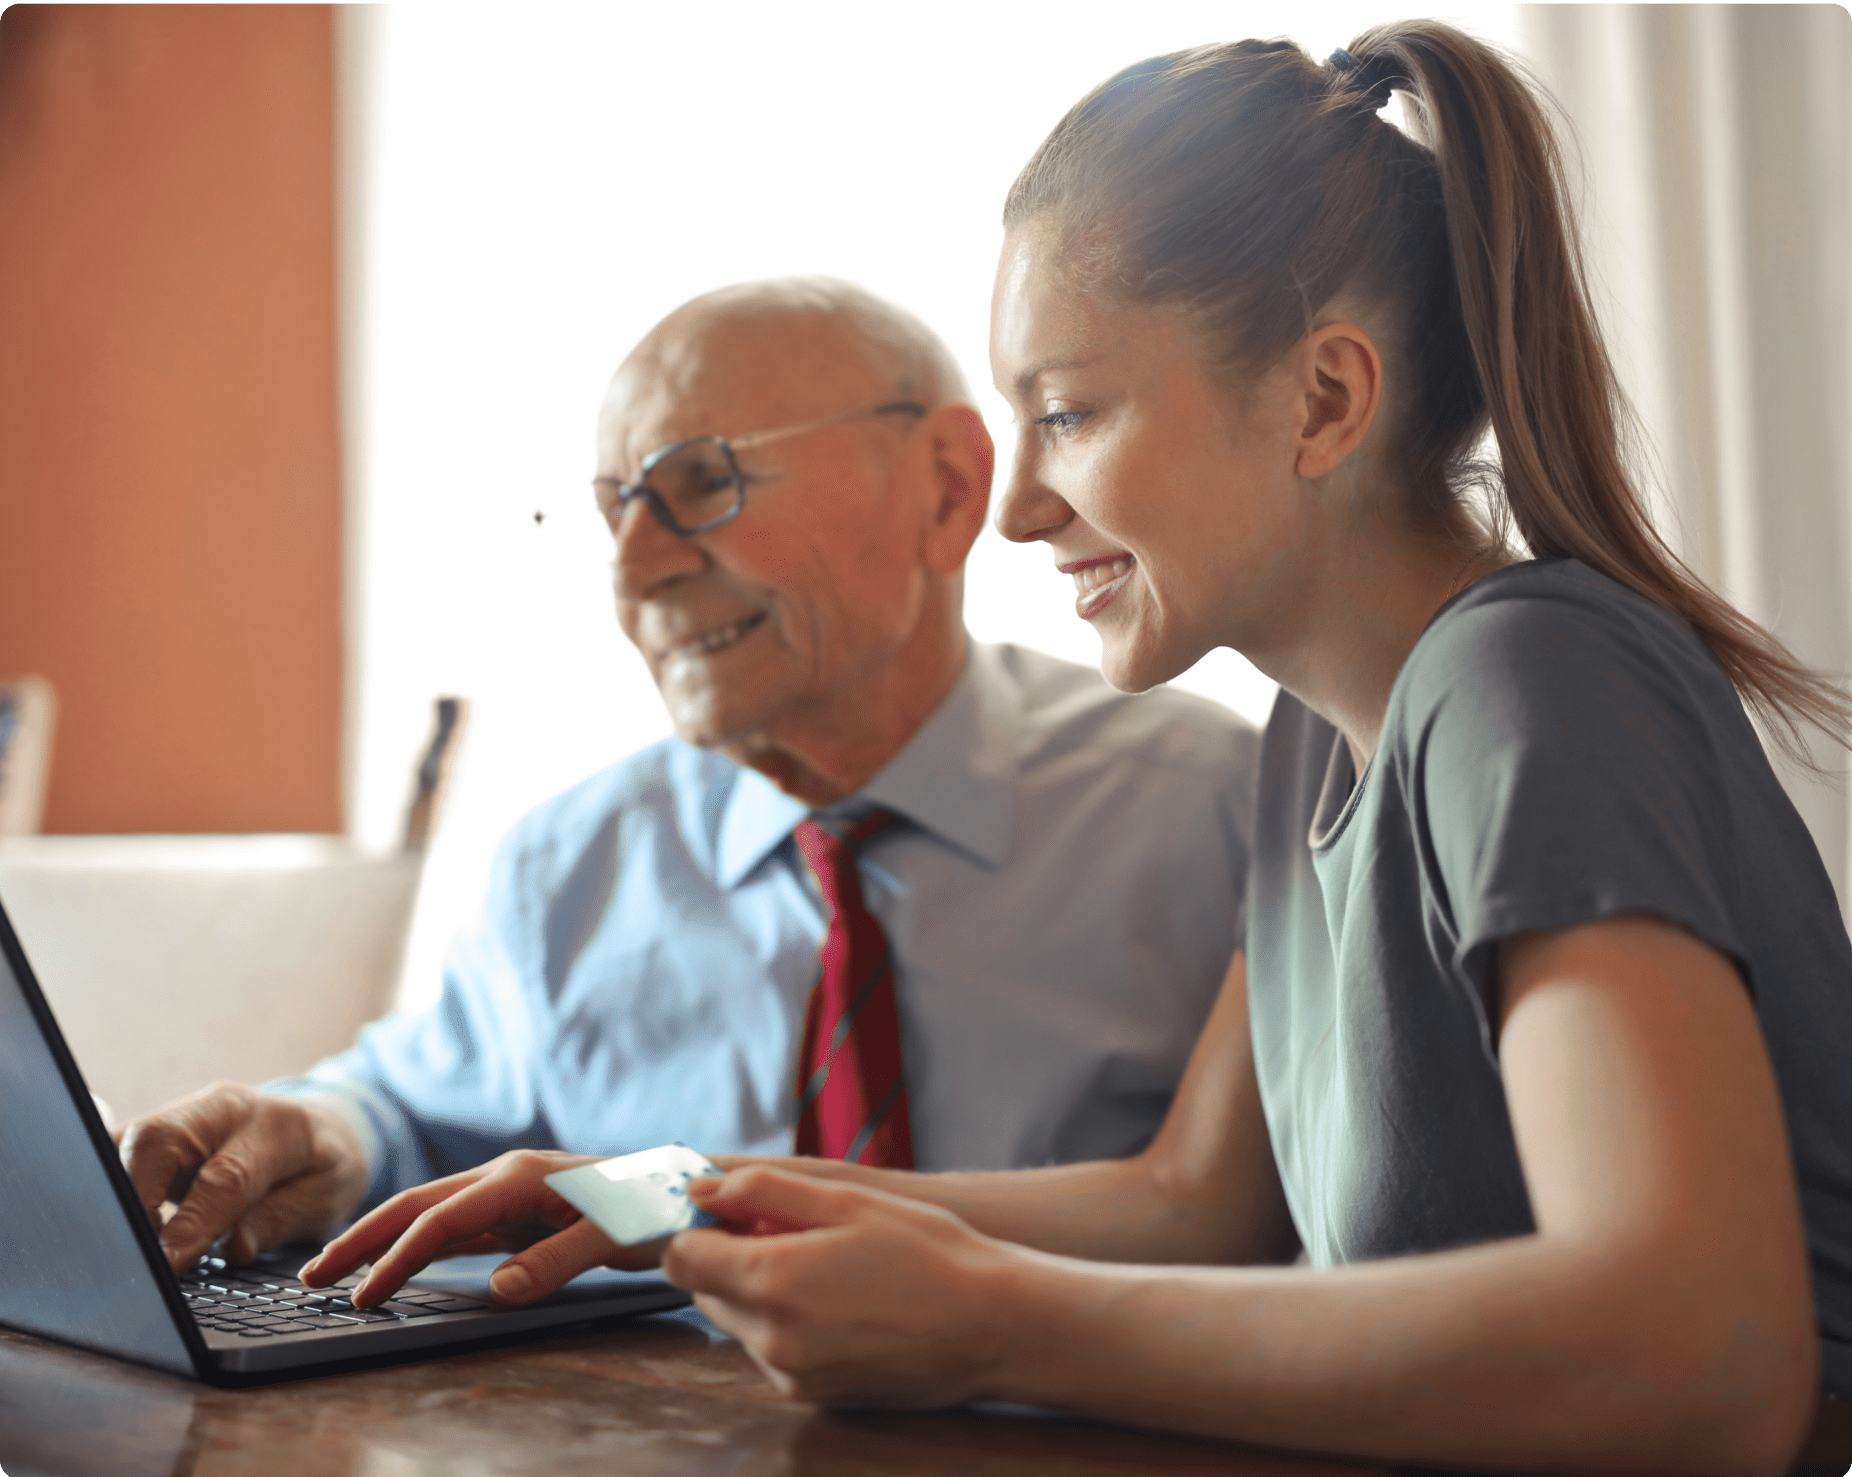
[(637, 1197)]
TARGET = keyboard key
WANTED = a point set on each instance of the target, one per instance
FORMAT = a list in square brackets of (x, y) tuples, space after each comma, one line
[(326, 1320), (347, 1310), (255, 1333), (400, 1309), (439, 1302), (450, 1303)]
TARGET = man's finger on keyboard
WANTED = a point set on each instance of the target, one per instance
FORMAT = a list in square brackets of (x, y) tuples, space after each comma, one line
[(160, 1151), (225, 1189), (262, 1153)]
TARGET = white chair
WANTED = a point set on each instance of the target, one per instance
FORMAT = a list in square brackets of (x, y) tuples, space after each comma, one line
[(173, 961)]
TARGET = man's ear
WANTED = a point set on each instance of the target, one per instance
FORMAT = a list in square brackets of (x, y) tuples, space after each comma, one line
[(1343, 386), (963, 459)]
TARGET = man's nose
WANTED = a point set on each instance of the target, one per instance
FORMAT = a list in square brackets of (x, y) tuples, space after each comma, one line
[(648, 555), (1029, 509)]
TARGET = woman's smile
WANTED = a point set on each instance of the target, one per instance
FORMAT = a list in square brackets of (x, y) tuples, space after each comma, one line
[(1098, 581)]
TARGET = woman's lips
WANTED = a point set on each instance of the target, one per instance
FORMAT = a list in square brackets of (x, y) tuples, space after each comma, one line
[(1098, 581)]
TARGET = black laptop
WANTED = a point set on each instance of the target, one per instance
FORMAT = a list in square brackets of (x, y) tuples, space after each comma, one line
[(80, 1262)]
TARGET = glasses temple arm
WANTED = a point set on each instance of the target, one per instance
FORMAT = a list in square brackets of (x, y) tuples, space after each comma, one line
[(764, 438)]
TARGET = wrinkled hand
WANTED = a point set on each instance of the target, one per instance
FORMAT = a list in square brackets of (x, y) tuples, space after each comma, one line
[(267, 1169), (846, 1295), (503, 1205)]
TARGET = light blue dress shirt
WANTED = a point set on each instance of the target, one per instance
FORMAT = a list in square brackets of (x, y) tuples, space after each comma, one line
[(1062, 909)]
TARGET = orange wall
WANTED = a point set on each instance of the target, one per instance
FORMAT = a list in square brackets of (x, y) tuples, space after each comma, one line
[(170, 515)]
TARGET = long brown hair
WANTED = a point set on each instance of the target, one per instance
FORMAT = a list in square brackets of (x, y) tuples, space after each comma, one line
[(1248, 185)]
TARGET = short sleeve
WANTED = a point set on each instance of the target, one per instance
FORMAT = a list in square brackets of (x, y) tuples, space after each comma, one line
[(1565, 761)]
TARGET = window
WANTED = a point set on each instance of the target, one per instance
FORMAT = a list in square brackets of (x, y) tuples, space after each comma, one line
[(531, 195)]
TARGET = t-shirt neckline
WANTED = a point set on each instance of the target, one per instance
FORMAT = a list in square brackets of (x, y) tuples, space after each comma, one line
[(1321, 843)]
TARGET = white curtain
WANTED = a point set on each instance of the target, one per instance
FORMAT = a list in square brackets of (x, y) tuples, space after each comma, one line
[(1712, 141)]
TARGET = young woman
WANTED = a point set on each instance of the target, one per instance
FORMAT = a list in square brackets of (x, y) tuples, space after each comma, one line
[(1537, 1041)]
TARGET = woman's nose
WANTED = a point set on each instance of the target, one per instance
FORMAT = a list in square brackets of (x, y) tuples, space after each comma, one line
[(1029, 509)]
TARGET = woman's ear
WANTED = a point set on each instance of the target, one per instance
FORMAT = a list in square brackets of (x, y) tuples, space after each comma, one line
[(1343, 388), (963, 459)]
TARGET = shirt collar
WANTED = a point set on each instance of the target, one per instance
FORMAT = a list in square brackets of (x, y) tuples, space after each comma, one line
[(956, 777)]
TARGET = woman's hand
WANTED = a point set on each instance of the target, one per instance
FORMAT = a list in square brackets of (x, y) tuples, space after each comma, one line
[(503, 1205), (846, 1295)]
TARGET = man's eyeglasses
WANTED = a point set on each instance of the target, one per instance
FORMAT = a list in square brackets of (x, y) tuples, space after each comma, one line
[(694, 485)]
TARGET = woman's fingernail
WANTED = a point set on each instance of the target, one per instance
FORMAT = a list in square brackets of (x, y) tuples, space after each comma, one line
[(511, 1283)]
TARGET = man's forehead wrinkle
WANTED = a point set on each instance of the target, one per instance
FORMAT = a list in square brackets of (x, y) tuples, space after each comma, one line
[(641, 394)]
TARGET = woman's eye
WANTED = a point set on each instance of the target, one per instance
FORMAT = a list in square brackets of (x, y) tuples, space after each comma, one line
[(1059, 420)]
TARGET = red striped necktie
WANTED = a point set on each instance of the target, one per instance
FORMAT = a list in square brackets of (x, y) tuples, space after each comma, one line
[(852, 1097)]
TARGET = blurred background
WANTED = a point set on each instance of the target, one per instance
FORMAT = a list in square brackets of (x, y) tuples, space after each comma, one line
[(305, 313)]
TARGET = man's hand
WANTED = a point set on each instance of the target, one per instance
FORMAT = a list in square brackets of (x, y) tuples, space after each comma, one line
[(503, 1205), (267, 1169)]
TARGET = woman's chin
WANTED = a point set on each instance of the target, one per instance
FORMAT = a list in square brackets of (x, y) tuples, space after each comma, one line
[(1138, 665), (1133, 669)]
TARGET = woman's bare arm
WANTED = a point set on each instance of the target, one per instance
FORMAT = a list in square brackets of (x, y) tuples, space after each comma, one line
[(1659, 1319)]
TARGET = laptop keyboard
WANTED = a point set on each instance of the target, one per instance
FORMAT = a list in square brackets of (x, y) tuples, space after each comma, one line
[(257, 1304)]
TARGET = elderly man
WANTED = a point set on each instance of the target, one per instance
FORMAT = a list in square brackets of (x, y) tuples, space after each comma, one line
[(889, 895)]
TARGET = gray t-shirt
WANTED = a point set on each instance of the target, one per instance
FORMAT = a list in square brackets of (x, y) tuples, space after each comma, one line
[(1556, 749)]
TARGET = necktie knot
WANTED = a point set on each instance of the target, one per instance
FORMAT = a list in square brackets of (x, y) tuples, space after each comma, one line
[(832, 850)]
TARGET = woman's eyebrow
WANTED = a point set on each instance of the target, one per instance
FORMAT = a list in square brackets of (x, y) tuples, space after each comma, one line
[(1025, 382)]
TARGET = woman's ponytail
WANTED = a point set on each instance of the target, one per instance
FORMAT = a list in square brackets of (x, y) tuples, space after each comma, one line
[(1548, 386)]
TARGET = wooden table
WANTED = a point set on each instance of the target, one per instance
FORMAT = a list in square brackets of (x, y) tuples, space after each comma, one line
[(662, 1395)]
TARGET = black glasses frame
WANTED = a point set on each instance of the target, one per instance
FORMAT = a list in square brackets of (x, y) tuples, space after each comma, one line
[(615, 495)]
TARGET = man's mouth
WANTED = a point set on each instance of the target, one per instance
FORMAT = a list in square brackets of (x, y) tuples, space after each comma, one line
[(1097, 582), (718, 639)]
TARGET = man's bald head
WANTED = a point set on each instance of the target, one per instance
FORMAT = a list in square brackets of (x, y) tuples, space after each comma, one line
[(900, 356), (809, 635)]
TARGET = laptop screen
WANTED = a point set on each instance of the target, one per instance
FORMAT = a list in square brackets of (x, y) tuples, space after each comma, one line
[(72, 1266)]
